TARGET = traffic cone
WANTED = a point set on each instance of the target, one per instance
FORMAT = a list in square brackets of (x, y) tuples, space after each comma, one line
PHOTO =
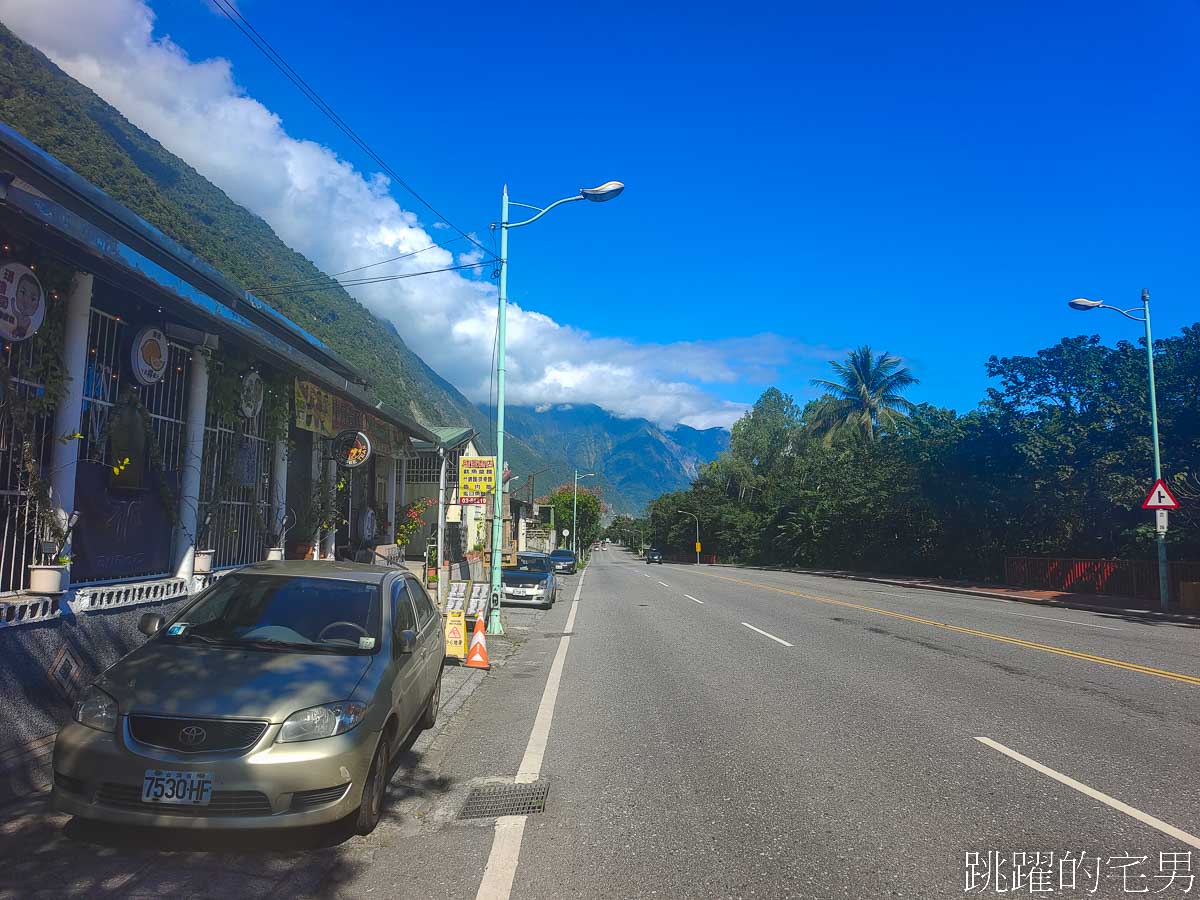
[(477, 657)]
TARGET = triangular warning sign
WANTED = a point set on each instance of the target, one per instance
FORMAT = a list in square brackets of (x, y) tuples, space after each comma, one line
[(1160, 497), (454, 633)]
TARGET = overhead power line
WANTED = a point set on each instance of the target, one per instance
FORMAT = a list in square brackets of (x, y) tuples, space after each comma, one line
[(379, 279), (322, 278), (264, 46)]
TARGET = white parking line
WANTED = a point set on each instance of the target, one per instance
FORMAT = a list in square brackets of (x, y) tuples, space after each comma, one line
[(690, 597), (1144, 818), (644, 575), (664, 584), (1064, 621), (765, 634)]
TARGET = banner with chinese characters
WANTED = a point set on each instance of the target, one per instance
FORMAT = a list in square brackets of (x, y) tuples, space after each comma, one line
[(382, 435), (346, 416), (476, 477), (314, 409)]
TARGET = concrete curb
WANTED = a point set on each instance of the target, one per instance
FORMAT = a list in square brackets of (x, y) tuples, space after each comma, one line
[(992, 595)]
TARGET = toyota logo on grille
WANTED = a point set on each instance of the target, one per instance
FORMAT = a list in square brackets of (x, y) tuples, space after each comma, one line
[(192, 735)]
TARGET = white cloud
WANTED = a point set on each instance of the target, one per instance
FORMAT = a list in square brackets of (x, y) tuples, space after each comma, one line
[(340, 218)]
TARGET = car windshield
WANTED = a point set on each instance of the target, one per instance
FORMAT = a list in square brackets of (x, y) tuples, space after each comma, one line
[(530, 564), (562, 554), (320, 615)]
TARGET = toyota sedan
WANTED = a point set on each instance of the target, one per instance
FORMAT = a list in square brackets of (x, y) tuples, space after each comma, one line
[(276, 698)]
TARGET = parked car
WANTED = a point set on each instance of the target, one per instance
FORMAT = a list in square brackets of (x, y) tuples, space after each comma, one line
[(277, 698), (564, 562), (654, 556), (531, 581)]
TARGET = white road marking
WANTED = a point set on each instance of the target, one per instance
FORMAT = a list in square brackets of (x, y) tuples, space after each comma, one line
[(506, 843), (644, 575), (664, 584), (690, 597), (1064, 621), (1144, 818), (765, 634)]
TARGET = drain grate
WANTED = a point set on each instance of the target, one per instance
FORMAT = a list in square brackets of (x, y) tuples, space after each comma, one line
[(494, 800)]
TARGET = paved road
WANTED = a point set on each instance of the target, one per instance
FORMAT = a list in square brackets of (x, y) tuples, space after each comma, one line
[(739, 733)]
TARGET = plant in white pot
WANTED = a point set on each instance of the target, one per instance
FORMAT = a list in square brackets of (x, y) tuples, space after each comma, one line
[(53, 576), (203, 559)]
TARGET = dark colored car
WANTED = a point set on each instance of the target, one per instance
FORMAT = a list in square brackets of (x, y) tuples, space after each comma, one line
[(530, 582), (654, 556), (564, 562), (277, 698)]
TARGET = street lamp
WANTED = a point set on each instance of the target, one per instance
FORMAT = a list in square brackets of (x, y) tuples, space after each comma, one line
[(1083, 305), (575, 512), (604, 192), (697, 518)]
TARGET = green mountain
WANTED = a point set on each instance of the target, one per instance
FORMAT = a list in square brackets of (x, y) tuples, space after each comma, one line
[(70, 122), (633, 460)]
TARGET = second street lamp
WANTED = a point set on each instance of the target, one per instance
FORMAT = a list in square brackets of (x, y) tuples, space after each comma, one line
[(697, 518), (1083, 305), (604, 192), (575, 514)]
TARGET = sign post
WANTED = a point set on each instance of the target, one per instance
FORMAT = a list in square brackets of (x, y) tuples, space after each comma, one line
[(1161, 500)]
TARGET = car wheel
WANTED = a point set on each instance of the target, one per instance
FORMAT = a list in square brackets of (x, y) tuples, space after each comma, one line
[(429, 716), (371, 808)]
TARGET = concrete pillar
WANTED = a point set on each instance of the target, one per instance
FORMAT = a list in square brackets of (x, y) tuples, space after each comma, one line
[(279, 473), (67, 415), (193, 457), (390, 476), (329, 539), (441, 529)]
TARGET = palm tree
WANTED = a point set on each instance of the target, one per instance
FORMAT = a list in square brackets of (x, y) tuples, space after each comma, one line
[(865, 396)]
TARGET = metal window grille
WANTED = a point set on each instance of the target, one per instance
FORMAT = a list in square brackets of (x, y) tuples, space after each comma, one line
[(236, 470), (164, 402), (18, 516), (425, 469)]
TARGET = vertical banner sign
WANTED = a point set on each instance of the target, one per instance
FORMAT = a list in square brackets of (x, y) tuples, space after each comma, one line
[(456, 634), (697, 546), (314, 409), (476, 479)]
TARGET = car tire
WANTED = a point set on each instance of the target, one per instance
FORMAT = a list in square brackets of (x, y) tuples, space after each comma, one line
[(430, 713), (371, 809)]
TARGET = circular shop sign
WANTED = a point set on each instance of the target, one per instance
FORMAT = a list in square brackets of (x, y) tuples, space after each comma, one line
[(351, 449), (252, 394), (149, 355), (22, 302)]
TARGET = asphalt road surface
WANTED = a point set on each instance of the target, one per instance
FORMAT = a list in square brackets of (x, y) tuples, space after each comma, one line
[(724, 732)]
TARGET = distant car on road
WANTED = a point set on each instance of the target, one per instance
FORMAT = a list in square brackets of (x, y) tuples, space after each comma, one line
[(277, 698), (531, 581), (564, 561), (654, 556)]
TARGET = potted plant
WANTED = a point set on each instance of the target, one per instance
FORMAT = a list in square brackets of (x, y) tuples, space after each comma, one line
[(53, 576), (202, 560), (315, 515)]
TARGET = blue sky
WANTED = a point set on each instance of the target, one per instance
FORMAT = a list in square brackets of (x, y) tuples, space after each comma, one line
[(935, 180)]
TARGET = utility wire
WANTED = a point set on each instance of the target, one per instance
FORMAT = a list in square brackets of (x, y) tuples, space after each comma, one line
[(264, 46), (322, 278), (341, 285)]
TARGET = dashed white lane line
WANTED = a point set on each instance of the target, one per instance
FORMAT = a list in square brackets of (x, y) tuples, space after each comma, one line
[(1144, 818), (693, 599), (664, 584), (502, 861), (644, 575), (1064, 621), (767, 634)]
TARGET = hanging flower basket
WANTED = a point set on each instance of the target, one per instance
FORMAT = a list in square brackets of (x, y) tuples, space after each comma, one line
[(203, 562), (49, 579)]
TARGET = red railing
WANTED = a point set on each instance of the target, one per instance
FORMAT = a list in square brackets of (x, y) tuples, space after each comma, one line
[(1120, 577)]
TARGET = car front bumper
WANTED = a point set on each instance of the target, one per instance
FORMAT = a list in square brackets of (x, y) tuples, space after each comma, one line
[(260, 788)]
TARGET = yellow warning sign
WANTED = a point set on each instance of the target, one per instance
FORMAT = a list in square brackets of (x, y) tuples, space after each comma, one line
[(456, 634), (697, 546)]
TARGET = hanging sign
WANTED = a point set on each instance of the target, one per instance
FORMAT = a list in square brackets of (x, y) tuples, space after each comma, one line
[(22, 302), (476, 477), (351, 449), (314, 409), (251, 400), (149, 355), (1160, 497)]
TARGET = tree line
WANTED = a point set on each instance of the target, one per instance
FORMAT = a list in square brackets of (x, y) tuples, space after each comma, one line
[(1054, 461)]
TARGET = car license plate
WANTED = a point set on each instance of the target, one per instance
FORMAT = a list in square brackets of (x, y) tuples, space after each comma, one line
[(163, 786)]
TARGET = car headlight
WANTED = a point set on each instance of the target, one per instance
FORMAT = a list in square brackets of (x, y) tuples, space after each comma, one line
[(322, 721), (539, 589), (96, 709)]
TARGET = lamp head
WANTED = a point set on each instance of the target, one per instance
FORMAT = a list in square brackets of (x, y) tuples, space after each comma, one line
[(1083, 304), (606, 191)]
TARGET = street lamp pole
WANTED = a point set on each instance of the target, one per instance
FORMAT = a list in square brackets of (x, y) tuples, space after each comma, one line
[(697, 518), (575, 513), (1164, 582), (606, 191)]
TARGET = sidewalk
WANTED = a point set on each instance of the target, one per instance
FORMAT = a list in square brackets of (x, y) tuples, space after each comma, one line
[(1129, 606)]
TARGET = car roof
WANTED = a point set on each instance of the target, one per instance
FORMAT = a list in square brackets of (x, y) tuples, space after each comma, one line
[(562, 550), (363, 573), (535, 553)]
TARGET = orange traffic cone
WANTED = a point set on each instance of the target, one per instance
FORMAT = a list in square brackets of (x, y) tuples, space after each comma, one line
[(477, 653)]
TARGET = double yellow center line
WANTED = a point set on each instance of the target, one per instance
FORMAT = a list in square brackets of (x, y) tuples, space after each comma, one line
[(1003, 639)]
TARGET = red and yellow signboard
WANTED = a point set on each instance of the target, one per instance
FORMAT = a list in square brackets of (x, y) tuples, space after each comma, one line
[(476, 477)]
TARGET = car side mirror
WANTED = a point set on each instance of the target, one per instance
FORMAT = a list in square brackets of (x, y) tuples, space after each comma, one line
[(406, 641), (151, 624)]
